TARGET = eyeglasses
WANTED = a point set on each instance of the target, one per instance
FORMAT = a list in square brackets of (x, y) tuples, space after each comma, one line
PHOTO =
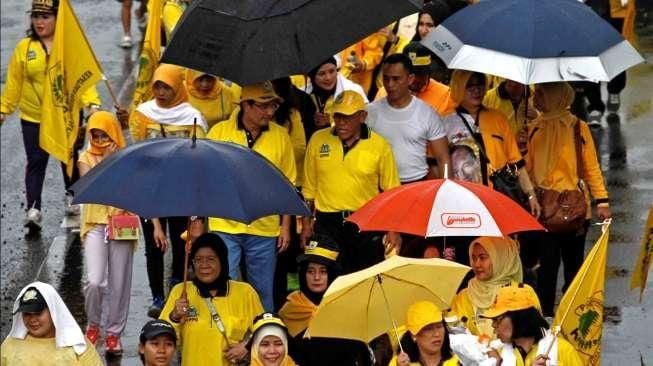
[(267, 106), (205, 260)]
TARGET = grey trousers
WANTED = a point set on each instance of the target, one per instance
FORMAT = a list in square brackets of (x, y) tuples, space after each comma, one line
[(108, 266)]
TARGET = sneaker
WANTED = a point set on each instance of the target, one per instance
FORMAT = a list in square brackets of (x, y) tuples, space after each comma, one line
[(155, 309), (594, 119), (33, 219), (112, 345), (126, 42), (92, 333), (69, 208), (614, 102)]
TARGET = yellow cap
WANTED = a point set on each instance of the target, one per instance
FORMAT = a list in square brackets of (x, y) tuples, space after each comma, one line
[(510, 298), (421, 314), (348, 102), (259, 92), (265, 319)]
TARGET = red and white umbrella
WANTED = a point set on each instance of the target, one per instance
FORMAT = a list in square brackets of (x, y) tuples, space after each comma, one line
[(444, 207)]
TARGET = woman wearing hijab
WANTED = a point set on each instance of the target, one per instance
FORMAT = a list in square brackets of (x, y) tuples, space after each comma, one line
[(326, 83), (552, 164), (44, 332), (270, 342), (211, 96), (317, 270), (427, 340), (431, 15), (168, 114), (108, 262), (213, 317), (495, 263), (24, 89)]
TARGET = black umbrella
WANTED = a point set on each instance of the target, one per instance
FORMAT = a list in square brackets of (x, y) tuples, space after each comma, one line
[(248, 41)]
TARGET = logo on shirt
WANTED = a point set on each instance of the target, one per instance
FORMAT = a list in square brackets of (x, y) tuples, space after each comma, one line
[(325, 150), (461, 220), (31, 55)]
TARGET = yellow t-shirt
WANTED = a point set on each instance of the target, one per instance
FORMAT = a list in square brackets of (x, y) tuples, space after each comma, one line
[(200, 341), (44, 352), (453, 361), (567, 355), (345, 182), (298, 139), (275, 145)]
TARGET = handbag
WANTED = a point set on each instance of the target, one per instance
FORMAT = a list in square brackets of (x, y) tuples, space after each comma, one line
[(565, 212), (504, 180), (123, 227)]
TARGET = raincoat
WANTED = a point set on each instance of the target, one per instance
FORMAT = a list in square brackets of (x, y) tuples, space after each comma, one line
[(26, 79), (551, 158), (68, 347), (201, 343)]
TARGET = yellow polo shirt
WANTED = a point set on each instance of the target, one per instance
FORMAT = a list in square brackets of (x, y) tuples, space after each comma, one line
[(274, 144), (345, 182)]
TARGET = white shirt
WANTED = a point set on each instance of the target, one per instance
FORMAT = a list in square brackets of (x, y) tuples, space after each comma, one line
[(408, 130)]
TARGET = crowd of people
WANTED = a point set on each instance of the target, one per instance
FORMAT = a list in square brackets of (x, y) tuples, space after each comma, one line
[(382, 113)]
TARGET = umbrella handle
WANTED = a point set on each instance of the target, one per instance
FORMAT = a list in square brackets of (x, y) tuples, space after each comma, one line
[(387, 306), (186, 254)]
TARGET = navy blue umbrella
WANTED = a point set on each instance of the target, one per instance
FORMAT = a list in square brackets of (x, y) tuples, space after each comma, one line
[(532, 41), (182, 177)]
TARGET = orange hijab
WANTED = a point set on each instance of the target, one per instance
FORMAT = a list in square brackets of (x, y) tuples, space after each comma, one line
[(173, 77), (457, 85), (106, 122), (192, 75)]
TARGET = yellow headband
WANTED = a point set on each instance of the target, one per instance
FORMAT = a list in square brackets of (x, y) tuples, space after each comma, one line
[(321, 252)]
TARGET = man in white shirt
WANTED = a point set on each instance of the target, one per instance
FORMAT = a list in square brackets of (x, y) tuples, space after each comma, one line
[(408, 123)]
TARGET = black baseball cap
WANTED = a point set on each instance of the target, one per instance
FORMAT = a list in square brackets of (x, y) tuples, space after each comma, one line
[(32, 301), (155, 328), (420, 56)]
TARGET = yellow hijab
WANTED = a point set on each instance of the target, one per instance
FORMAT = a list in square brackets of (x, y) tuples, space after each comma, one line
[(192, 75), (297, 312), (458, 83), (506, 267), (556, 123), (173, 77), (262, 333), (106, 122)]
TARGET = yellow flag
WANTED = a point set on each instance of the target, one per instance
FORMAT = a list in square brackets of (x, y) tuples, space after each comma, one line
[(580, 314), (643, 264), (72, 69), (150, 55)]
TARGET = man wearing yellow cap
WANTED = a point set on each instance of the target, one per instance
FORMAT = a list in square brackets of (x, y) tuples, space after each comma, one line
[(346, 166), (250, 126), (518, 323)]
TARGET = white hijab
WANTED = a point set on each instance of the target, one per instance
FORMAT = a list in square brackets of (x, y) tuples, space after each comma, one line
[(67, 331)]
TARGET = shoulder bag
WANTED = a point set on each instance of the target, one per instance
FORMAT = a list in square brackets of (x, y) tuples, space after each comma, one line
[(220, 326), (565, 212)]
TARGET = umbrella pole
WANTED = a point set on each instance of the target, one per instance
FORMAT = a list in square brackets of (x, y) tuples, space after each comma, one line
[(186, 254), (387, 306)]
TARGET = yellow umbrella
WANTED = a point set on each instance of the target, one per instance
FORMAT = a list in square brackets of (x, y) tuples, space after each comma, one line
[(362, 305)]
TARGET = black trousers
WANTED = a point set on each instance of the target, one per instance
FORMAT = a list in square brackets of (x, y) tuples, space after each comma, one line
[(154, 256), (37, 163), (358, 250), (570, 247)]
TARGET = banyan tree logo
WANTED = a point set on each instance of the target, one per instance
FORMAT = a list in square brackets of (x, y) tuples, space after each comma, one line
[(587, 335)]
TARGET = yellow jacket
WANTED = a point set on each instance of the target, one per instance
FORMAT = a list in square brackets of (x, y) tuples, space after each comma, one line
[(453, 361), (370, 52), (298, 140), (25, 80), (345, 182), (567, 355), (551, 158), (275, 145), (200, 341), (516, 119)]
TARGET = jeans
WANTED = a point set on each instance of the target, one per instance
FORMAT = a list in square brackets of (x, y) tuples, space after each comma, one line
[(260, 261)]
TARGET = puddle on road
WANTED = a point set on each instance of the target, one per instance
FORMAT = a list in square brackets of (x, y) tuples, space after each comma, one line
[(70, 282)]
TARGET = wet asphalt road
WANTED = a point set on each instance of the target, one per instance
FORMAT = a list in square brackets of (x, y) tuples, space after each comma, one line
[(55, 256)]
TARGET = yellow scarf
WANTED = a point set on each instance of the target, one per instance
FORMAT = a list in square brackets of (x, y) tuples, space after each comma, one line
[(506, 267), (297, 312), (556, 123)]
